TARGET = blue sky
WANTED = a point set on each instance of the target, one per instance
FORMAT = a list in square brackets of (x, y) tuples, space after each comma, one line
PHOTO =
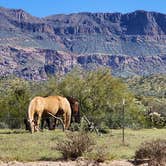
[(43, 8)]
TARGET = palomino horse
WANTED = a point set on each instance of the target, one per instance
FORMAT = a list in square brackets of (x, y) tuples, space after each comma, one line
[(50, 104)]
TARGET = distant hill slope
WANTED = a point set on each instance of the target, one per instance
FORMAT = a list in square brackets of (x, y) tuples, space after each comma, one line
[(131, 44), (150, 91), (150, 86)]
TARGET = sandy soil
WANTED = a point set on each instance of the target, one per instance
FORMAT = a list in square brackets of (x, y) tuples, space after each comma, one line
[(79, 162)]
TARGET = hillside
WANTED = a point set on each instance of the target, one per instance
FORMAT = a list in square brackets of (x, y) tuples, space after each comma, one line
[(152, 86), (150, 91), (130, 44)]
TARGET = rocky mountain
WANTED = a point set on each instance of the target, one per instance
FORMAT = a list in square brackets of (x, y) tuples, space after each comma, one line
[(130, 44)]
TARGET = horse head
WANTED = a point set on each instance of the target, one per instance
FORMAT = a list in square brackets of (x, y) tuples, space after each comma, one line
[(74, 104), (32, 125)]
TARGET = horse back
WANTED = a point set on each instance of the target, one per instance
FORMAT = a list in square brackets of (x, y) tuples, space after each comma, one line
[(55, 103), (36, 104)]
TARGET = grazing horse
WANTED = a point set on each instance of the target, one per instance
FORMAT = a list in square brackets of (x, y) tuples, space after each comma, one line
[(50, 104), (46, 121)]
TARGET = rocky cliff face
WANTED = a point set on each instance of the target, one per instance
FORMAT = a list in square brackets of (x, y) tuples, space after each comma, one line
[(34, 64), (131, 44), (136, 23)]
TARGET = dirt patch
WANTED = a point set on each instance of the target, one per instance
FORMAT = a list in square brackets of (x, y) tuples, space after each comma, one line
[(67, 163), (78, 162)]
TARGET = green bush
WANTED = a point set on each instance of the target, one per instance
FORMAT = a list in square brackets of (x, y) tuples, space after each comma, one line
[(14, 100), (75, 144), (154, 151)]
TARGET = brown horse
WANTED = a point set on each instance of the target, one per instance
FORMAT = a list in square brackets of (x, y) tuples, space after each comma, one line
[(50, 104), (74, 104)]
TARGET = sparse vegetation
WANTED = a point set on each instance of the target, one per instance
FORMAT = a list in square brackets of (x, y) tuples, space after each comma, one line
[(152, 85), (150, 91), (75, 144), (23, 146), (101, 153), (154, 151)]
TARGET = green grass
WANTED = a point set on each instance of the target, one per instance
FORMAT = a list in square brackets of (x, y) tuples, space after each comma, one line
[(133, 138), (22, 146)]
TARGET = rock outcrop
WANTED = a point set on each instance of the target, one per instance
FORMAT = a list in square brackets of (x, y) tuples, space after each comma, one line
[(33, 48)]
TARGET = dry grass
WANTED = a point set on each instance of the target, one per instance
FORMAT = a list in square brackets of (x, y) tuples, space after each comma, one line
[(23, 146)]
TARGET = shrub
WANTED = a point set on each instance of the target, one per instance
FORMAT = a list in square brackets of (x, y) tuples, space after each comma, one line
[(101, 153), (154, 151), (75, 144), (157, 120)]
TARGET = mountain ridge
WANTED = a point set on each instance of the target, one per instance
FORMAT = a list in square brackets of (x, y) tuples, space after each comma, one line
[(135, 40)]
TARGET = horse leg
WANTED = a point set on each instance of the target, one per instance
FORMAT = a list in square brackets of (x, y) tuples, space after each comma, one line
[(42, 123), (50, 123), (38, 122), (32, 126), (54, 124), (67, 119)]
